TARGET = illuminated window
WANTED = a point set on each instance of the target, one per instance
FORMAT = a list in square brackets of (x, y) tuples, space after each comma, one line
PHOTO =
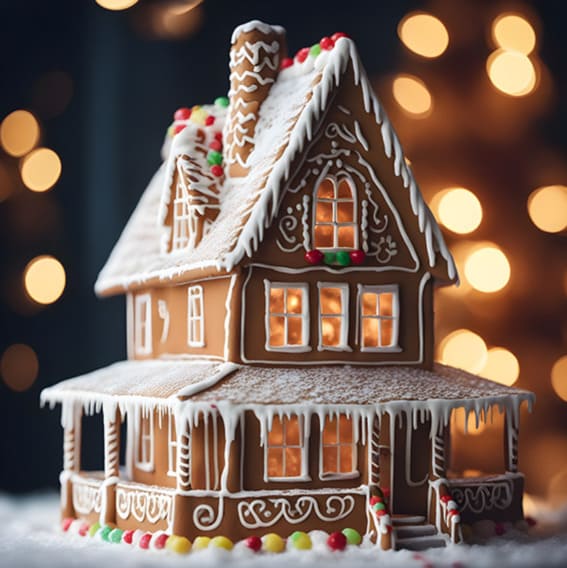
[(285, 451), (338, 450), (335, 215), (379, 318), (171, 447), (333, 316), (287, 310), (143, 327), (195, 317), (145, 439), (184, 220)]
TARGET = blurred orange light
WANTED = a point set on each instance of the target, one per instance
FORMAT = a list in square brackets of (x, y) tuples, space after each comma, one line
[(547, 207), (511, 72), (44, 279), (487, 269), (463, 349), (459, 210), (19, 132), (412, 95), (513, 32), (559, 377), (19, 367), (41, 169), (424, 34), (116, 4), (501, 366), (466, 423)]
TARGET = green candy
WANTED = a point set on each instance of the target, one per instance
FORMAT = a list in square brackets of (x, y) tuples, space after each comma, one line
[(352, 536), (94, 528), (105, 533), (379, 507), (329, 257), (315, 50), (214, 158), (170, 131), (115, 536), (343, 258), (221, 102)]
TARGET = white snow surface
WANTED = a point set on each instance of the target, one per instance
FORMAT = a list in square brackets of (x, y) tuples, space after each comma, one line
[(31, 537)]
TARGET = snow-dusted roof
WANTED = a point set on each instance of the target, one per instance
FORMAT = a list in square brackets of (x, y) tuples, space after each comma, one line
[(288, 119)]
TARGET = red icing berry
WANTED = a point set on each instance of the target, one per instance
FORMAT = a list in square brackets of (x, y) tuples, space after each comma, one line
[(337, 541), (314, 256), (217, 170), (337, 35), (375, 499), (160, 541), (381, 512), (357, 256), (178, 128), (209, 120), (286, 62), (302, 54), (386, 492), (215, 145), (453, 512), (145, 540), (84, 529), (499, 529), (327, 43), (66, 523), (218, 136), (445, 498), (182, 113), (127, 536), (253, 543)]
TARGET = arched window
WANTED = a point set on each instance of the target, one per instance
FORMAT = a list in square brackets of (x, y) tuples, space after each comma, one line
[(335, 215)]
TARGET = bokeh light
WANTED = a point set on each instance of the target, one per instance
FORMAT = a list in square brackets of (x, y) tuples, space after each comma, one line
[(19, 367), (559, 377), (116, 4), (463, 349), (19, 133), (424, 34), (513, 32), (487, 269), (511, 72), (547, 207), (412, 95), (501, 366), (41, 169), (44, 279), (459, 210)]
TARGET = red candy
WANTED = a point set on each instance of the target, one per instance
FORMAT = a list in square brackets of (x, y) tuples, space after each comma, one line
[(182, 113), (145, 541), (218, 136), (160, 541), (302, 54), (338, 35), (327, 43), (215, 145), (217, 170), (314, 256), (286, 62), (178, 128), (386, 492), (209, 120), (381, 512), (357, 256), (253, 543), (337, 541), (84, 529), (499, 529), (445, 498), (66, 523), (127, 536), (375, 499)]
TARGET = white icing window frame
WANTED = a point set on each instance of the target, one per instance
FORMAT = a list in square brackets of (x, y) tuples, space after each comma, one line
[(334, 223), (344, 316), (144, 455), (304, 287), (195, 323), (395, 317), (143, 324), (212, 482), (172, 447), (182, 222), (339, 475), (303, 446)]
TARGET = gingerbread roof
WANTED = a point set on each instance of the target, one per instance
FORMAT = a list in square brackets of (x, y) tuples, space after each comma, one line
[(288, 118)]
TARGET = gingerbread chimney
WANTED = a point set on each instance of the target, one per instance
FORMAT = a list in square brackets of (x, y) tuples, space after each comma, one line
[(255, 56)]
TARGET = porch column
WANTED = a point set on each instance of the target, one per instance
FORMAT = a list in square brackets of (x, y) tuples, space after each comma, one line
[(111, 464), (439, 454), (183, 455), (71, 458), (511, 431)]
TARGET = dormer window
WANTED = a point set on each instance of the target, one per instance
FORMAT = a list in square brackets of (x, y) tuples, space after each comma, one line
[(335, 224), (184, 220)]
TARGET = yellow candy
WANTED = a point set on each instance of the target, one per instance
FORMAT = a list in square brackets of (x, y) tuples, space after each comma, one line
[(201, 542), (301, 540), (178, 544), (273, 543), (221, 542), (199, 115)]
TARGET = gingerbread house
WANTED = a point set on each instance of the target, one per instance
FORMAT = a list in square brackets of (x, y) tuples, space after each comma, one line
[(279, 274)]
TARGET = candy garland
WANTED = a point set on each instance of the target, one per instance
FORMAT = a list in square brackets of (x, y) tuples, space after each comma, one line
[(340, 257), (325, 44), (378, 504)]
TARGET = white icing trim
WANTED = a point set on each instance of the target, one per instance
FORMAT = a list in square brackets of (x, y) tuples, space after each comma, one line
[(343, 316), (144, 434), (172, 446), (195, 316), (143, 324), (145, 503), (222, 371), (164, 315), (228, 317), (255, 25), (130, 325)]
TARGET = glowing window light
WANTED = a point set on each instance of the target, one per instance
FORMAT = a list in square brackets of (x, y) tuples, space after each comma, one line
[(487, 269), (44, 279), (460, 210), (511, 72), (412, 95), (559, 377), (501, 366), (466, 423), (41, 169), (19, 367), (19, 133), (116, 4), (547, 207), (463, 349), (513, 32), (424, 34)]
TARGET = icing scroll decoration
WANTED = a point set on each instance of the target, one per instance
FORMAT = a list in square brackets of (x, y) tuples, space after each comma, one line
[(151, 505), (480, 497), (261, 513), (204, 517), (87, 496)]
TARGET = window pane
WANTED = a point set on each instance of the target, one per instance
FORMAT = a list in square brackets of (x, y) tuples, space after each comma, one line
[(331, 331), (324, 212), (345, 430), (370, 332), (330, 300), (276, 300), (346, 237), (345, 212), (346, 459), (324, 236), (276, 331), (292, 431), (369, 304), (387, 332), (275, 462), (292, 462), (326, 189), (275, 435), (344, 190), (330, 431), (386, 304), (330, 464), (295, 331), (294, 297)]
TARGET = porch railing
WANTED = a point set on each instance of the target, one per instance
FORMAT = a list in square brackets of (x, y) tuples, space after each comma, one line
[(87, 495), (444, 511)]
